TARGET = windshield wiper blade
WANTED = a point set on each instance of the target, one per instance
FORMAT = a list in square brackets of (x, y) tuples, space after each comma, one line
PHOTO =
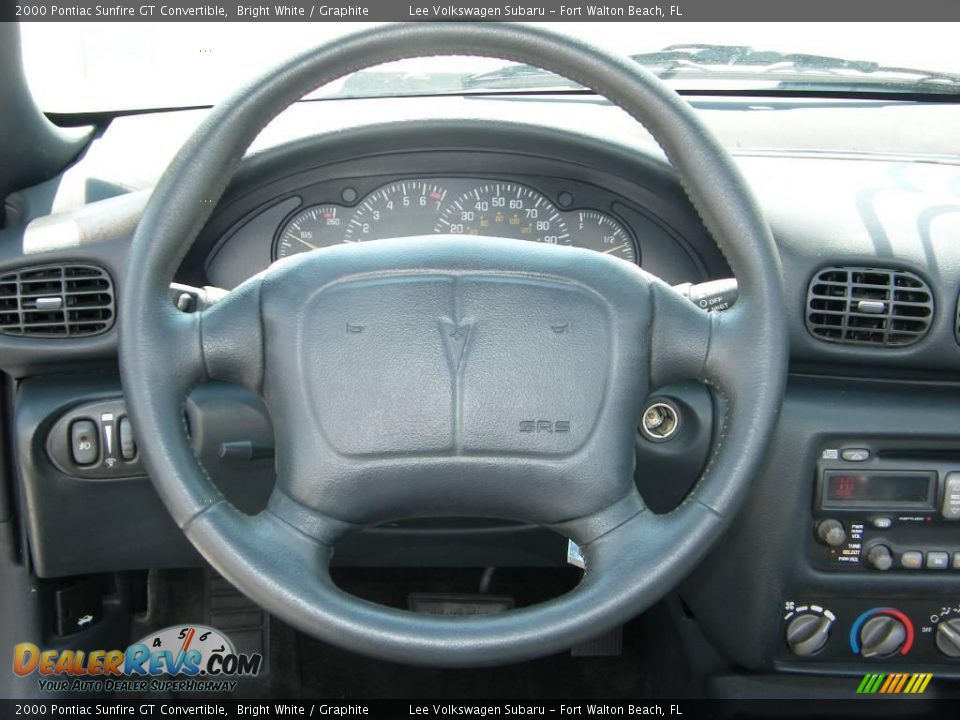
[(715, 59), (725, 61)]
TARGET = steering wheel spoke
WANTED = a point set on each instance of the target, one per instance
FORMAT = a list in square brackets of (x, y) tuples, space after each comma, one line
[(680, 338), (314, 524), (587, 529), (231, 334)]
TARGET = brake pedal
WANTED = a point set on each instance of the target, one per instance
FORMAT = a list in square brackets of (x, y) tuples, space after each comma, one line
[(242, 620)]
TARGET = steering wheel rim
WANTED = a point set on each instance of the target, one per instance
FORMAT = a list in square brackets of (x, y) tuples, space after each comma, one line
[(280, 558)]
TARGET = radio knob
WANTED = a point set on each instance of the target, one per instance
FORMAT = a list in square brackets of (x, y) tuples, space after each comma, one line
[(881, 636), (808, 633), (879, 557), (948, 637), (831, 532)]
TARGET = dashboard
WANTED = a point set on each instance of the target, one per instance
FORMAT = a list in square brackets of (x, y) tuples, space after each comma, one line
[(853, 410)]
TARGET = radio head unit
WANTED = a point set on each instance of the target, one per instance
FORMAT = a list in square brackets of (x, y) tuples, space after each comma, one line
[(880, 512)]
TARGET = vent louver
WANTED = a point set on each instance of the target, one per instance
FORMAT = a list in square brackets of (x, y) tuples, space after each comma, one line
[(56, 301), (869, 306), (956, 327)]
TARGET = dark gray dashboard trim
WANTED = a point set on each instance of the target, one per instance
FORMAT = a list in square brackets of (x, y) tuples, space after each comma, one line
[(809, 198)]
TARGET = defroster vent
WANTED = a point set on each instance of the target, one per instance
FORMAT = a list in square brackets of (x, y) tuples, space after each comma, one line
[(56, 301), (869, 306)]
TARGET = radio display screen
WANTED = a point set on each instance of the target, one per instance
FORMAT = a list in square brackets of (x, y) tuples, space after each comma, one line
[(907, 490)]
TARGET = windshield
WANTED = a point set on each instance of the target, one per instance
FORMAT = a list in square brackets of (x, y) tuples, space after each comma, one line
[(103, 67)]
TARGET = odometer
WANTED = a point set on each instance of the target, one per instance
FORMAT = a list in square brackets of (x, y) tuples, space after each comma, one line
[(505, 210)]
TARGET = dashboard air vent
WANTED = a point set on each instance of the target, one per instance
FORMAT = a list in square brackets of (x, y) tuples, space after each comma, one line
[(56, 301), (956, 327), (868, 306)]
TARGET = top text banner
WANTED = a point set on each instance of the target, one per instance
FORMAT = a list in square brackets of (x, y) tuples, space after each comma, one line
[(489, 10)]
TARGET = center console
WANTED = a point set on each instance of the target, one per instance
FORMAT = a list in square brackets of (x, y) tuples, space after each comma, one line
[(879, 507), (846, 557)]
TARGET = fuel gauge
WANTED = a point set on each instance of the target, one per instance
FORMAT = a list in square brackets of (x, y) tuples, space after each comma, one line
[(602, 232)]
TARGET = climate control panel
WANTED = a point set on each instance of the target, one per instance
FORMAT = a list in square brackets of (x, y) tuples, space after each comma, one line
[(845, 631)]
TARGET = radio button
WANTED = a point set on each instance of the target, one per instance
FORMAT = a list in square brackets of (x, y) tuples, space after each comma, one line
[(912, 560), (951, 497), (956, 561), (882, 523), (937, 560), (855, 454)]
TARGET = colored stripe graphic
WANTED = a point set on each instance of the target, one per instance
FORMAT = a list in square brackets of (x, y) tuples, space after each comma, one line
[(894, 684), (891, 680), (903, 681)]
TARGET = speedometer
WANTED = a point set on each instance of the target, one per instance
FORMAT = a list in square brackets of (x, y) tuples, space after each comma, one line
[(506, 210)]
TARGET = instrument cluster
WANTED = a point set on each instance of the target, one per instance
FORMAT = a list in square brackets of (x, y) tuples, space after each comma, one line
[(457, 206)]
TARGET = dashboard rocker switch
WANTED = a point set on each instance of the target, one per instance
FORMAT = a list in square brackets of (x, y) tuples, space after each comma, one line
[(84, 442), (128, 448)]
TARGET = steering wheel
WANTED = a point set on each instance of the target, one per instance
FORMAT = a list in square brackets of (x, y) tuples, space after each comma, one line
[(452, 375)]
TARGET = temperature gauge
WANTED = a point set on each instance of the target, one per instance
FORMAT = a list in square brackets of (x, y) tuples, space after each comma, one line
[(316, 227)]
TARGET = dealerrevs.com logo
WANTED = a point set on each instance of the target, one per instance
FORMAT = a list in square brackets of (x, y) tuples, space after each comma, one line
[(181, 658)]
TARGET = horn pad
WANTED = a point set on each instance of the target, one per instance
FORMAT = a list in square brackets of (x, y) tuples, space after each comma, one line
[(453, 365)]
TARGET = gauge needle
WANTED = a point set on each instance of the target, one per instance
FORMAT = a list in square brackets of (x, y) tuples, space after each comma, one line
[(314, 247), (618, 247)]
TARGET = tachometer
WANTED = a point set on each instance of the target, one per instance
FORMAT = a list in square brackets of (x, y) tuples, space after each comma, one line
[(504, 209), (402, 209), (602, 232), (313, 228)]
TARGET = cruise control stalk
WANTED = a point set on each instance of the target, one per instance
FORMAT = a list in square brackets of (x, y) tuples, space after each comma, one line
[(712, 296)]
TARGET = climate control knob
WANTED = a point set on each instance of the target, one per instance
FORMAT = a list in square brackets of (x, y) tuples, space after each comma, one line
[(882, 636), (807, 633), (948, 637)]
